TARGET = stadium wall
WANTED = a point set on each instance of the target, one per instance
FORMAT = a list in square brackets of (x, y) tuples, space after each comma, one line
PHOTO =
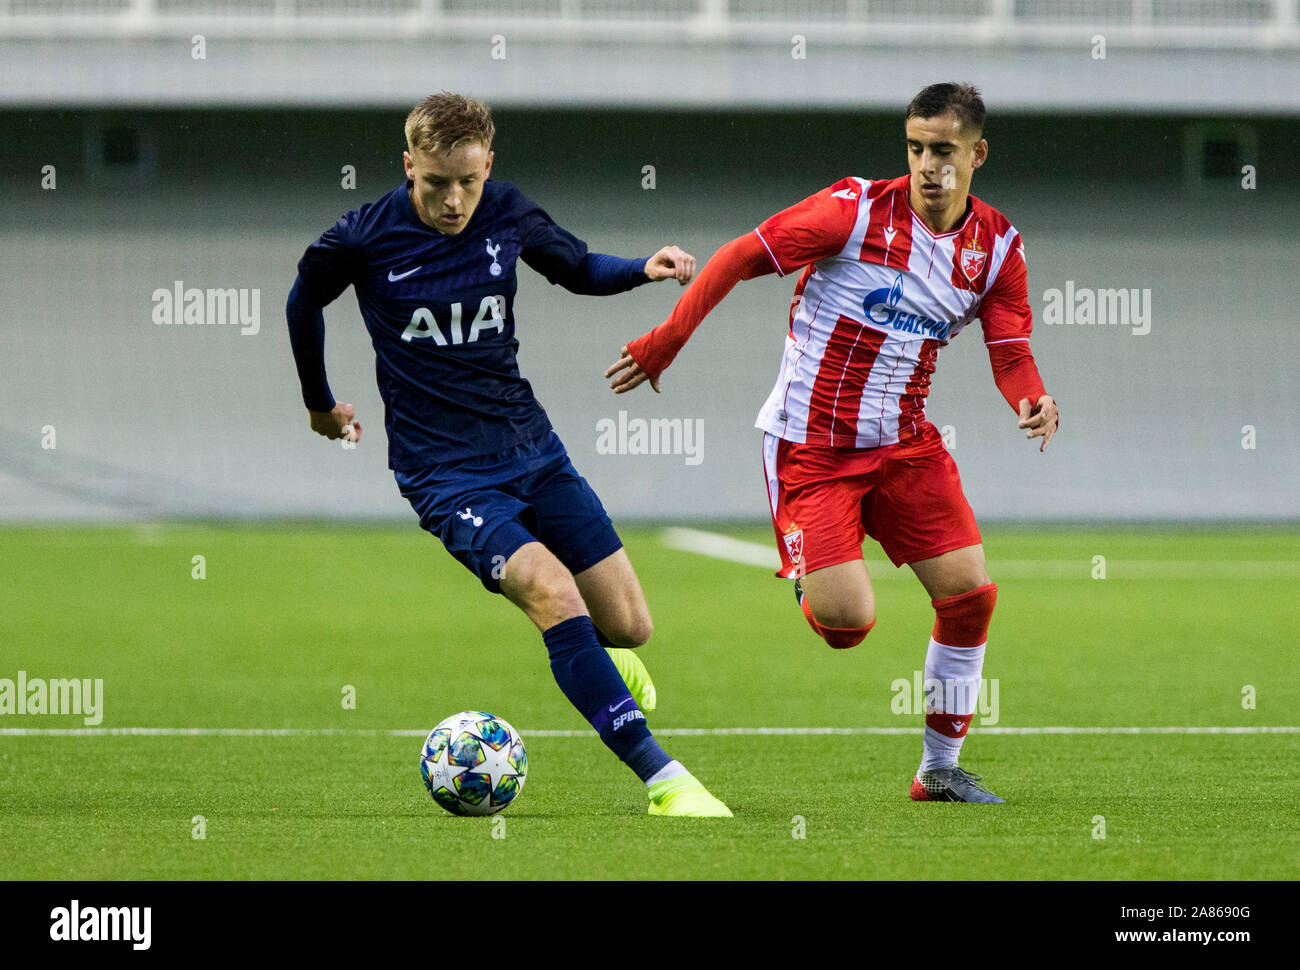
[(1185, 410)]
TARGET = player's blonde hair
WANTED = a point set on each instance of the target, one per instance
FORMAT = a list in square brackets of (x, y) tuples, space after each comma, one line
[(445, 121)]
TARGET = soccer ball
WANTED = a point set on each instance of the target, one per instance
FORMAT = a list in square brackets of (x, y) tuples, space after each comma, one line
[(473, 763)]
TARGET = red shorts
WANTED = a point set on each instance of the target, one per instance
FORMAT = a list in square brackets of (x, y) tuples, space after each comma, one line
[(825, 501)]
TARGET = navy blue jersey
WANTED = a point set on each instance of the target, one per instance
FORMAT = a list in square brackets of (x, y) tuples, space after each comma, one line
[(440, 312)]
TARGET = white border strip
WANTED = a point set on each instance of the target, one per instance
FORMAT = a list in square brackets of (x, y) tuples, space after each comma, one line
[(665, 732)]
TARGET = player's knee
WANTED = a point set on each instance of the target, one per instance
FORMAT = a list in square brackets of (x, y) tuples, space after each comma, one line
[(638, 632), (841, 638), (842, 627), (630, 629), (963, 620), (847, 616)]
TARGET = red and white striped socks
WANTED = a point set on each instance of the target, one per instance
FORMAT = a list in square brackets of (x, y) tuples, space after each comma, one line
[(954, 664)]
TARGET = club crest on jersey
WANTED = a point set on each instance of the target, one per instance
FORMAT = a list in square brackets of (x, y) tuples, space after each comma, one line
[(972, 260), (495, 268), (794, 545)]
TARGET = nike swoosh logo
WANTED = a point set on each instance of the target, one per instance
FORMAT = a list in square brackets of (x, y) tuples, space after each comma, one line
[(619, 704), (401, 276), (844, 194)]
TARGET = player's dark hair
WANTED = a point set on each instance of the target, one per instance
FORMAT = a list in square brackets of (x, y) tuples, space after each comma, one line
[(442, 121), (962, 99)]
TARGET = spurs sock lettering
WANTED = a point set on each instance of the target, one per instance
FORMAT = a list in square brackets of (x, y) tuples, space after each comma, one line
[(592, 684)]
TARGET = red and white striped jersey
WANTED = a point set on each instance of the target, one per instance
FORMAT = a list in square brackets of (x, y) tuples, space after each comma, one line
[(879, 295)]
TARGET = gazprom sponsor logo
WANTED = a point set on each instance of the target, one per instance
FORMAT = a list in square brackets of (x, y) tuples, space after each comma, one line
[(881, 307)]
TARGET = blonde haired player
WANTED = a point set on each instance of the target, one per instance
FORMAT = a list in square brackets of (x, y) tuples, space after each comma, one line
[(890, 270), (433, 264)]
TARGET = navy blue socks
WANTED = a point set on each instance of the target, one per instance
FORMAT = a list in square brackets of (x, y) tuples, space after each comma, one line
[(592, 684)]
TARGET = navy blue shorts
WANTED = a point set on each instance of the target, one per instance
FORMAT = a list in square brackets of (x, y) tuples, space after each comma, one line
[(484, 508)]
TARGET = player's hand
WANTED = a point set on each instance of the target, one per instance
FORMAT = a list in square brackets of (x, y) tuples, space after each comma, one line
[(633, 375), (338, 423), (1042, 419), (671, 263)]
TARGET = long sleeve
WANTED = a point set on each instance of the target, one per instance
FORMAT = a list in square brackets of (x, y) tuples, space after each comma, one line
[(563, 259), (307, 338), (1007, 321), (1015, 373), (741, 259), (811, 229), (596, 274), (326, 269)]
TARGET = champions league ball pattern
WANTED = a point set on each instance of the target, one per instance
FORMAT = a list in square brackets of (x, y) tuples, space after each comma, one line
[(473, 763)]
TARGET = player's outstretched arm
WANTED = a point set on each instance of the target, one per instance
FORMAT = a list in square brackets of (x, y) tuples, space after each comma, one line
[(565, 260), (813, 229), (645, 358), (567, 263)]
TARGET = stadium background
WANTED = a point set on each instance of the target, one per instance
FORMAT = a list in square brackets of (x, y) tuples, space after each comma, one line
[(1122, 172), (268, 681)]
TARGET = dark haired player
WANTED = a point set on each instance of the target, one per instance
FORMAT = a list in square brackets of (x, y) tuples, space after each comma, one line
[(433, 267), (890, 271)]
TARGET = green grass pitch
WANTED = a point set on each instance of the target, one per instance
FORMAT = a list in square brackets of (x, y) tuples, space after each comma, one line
[(1188, 628)]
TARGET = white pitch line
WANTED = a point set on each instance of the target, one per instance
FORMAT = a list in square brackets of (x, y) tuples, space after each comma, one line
[(680, 732), (718, 546)]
